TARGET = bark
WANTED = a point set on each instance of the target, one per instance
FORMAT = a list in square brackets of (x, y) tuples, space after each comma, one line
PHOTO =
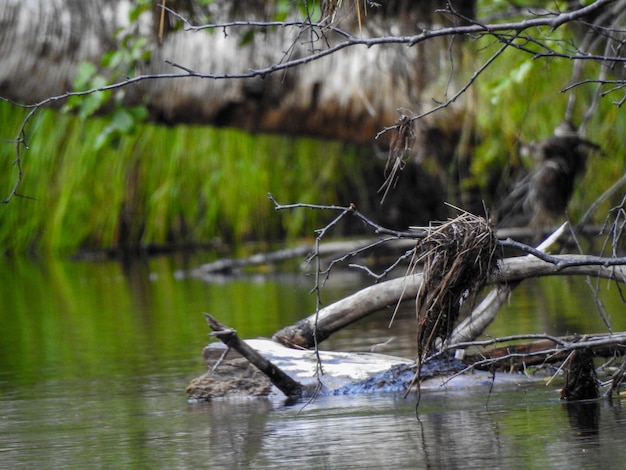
[(377, 297), (350, 95)]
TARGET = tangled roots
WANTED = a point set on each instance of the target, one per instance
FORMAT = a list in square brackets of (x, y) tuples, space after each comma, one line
[(458, 257)]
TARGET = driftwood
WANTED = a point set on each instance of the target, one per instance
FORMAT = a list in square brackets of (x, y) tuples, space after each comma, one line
[(379, 296), (339, 373), (462, 251), (229, 265), (319, 372), (229, 337), (348, 310), (575, 355)]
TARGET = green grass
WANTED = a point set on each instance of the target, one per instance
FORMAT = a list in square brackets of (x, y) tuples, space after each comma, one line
[(196, 184), (160, 185)]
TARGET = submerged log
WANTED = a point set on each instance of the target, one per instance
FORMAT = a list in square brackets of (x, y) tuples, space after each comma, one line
[(339, 373), (581, 381), (325, 372), (228, 265)]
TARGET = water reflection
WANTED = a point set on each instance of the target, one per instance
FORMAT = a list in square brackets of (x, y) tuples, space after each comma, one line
[(94, 359), (584, 417), (452, 430)]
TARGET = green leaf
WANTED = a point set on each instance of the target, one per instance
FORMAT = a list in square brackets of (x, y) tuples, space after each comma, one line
[(123, 121), (519, 74), (140, 7), (98, 82), (85, 73), (90, 105), (247, 38), (112, 59), (146, 56), (139, 113), (283, 8), (104, 138)]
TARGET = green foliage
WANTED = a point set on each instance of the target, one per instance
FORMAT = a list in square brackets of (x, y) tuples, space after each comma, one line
[(123, 61), (184, 184), (520, 99), (95, 184), (284, 7), (138, 9)]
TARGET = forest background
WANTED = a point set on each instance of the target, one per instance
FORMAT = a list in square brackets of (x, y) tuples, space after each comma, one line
[(106, 174)]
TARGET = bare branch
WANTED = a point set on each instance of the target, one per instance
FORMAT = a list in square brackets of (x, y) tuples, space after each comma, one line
[(378, 229), (280, 379)]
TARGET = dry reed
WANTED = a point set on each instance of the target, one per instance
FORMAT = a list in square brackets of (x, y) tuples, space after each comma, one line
[(458, 257)]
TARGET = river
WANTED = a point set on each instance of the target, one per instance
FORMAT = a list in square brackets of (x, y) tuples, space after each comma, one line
[(95, 358)]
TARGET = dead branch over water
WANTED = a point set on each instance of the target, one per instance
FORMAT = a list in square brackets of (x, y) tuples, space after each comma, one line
[(229, 337), (374, 298), (450, 264), (458, 259)]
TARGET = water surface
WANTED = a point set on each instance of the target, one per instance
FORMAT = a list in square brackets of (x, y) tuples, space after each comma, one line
[(95, 357)]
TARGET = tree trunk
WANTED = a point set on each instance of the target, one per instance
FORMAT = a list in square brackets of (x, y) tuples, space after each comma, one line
[(351, 94), (348, 310)]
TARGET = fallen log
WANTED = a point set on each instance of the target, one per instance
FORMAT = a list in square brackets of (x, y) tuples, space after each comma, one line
[(341, 373), (229, 265), (346, 311), (324, 372), (342, 313)]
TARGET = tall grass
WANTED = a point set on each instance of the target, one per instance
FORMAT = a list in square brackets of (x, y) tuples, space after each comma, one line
[(161, 185), (196, 184)]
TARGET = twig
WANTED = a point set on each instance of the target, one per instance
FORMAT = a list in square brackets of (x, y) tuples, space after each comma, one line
[(351, 209)]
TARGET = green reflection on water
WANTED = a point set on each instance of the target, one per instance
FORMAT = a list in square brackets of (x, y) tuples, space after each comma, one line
[(63, 319), (94, 358), (559, 306)]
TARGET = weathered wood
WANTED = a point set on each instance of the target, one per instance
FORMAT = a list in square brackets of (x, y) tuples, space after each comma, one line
[(229, 337), (341, 372), (374, 298), (228, 265), (482, 316), (348, 310), (515, 357)]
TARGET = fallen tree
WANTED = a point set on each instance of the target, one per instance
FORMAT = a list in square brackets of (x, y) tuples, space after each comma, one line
[(447, 291), (372, 299)]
